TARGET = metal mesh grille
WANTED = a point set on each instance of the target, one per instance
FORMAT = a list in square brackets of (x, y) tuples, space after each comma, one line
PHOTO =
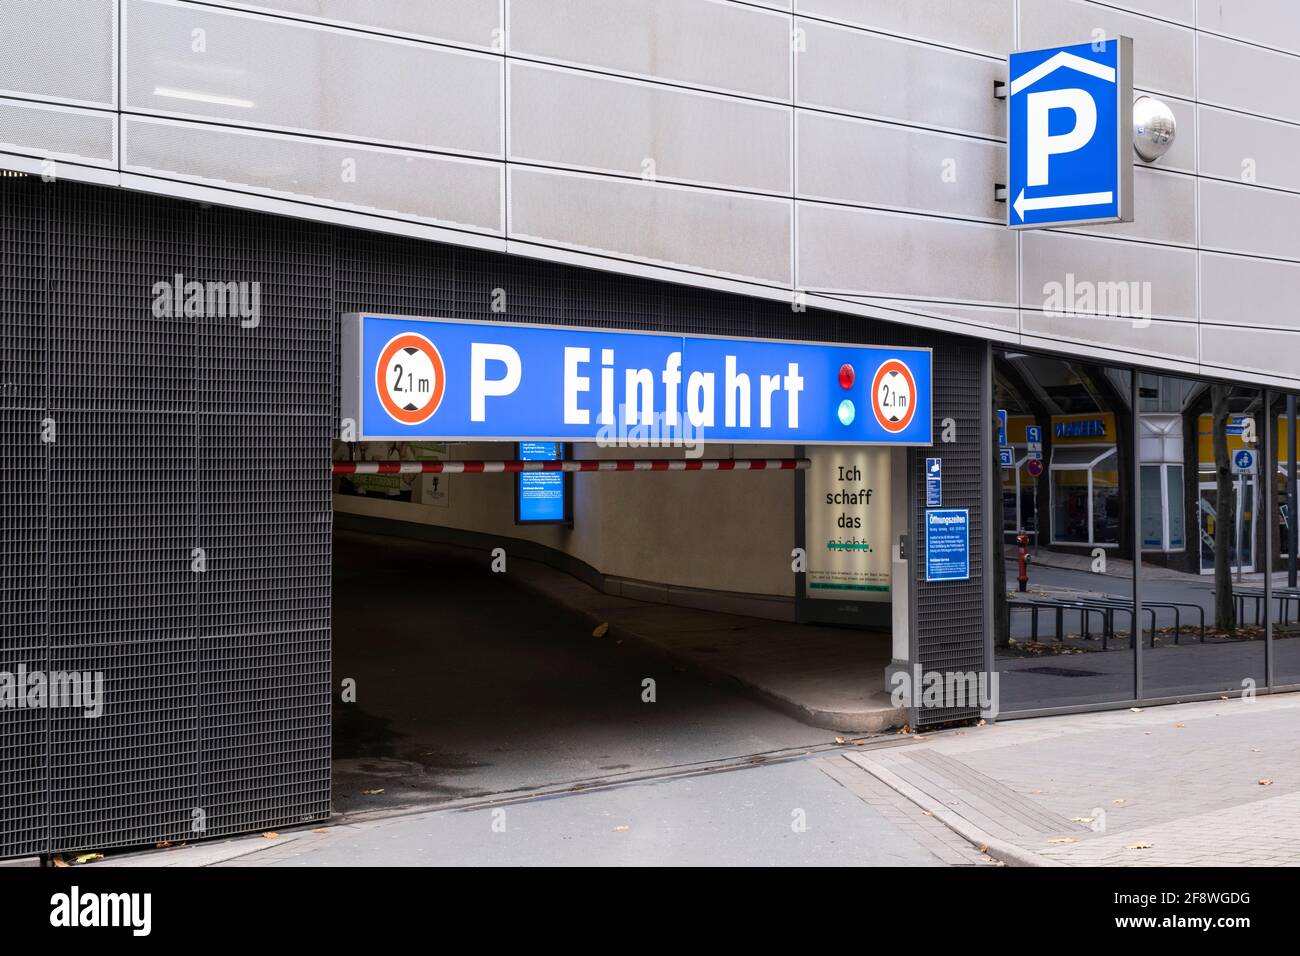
[(949, 623)]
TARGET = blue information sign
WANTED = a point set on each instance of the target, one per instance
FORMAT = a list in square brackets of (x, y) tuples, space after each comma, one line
[(541, 496), (407, 379), (947, 544), (934, 482), (1070, 134)]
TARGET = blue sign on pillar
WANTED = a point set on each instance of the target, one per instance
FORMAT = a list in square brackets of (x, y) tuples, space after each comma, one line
[(934, 482), (947, 545), (1070, 135)]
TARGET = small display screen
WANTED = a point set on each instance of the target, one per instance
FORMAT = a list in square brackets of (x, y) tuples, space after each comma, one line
[(541, 497)]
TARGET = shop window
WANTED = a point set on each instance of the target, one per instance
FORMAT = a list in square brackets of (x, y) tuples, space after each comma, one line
[(1086, 499)]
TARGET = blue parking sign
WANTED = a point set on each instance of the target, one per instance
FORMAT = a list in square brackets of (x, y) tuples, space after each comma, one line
[(1070, 135)]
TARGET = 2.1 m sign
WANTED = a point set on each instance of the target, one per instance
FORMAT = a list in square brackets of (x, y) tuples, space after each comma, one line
[(1070, 135)]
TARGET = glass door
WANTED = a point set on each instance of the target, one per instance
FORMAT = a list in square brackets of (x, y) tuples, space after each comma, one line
[(1243, 534)]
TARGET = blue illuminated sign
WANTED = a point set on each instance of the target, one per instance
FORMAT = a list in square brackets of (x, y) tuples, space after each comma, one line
[(947, 544), (406, 379), (541, 496), (1070, 134)]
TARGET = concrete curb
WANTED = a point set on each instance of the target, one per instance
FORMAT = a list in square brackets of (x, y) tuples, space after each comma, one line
[(1008, 853), (874, 722)]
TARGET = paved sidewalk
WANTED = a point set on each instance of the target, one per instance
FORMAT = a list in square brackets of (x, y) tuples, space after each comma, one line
[(1203, 784)]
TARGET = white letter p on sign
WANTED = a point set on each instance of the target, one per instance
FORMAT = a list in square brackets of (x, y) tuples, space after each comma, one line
[(1042, 145), (480, 386)]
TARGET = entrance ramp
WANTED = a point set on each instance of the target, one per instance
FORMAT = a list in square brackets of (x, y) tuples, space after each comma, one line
[(827, 677)]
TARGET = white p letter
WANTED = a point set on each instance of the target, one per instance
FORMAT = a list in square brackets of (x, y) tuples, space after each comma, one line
[(1042, 144), (480, 386)]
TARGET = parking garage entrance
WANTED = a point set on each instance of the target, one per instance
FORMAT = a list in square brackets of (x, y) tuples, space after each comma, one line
[(686, 551)]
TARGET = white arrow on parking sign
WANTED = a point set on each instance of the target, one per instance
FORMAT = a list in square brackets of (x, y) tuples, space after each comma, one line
[(1023, 205)]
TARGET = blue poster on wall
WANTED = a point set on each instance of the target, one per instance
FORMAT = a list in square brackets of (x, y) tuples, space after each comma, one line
[(947, 544)]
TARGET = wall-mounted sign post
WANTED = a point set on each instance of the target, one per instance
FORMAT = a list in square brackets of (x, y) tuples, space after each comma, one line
[(1070, 135)]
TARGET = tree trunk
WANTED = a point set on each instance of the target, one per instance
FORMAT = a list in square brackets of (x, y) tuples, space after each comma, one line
[(1225, 523)]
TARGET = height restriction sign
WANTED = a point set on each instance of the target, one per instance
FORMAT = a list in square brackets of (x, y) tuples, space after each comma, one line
[(409, 378)]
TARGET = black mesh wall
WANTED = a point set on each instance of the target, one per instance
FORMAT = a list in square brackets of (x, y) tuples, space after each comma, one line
[(190, 432)]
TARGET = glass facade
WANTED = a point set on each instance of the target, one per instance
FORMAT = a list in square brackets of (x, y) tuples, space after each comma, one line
[(1155, 488)]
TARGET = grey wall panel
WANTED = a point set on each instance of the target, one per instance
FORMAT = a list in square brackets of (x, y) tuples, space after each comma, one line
[(850, 71), (1239, 218), (608, 124), (1236, 146), (1163, 55), (1172, 340), (1180, 11), (879, 164), (705, 43), (1264, 351), (984, 25), (1270, 22), (1002, 320), (1248, 78), (471, 22), (79, 135), (1157, 280), (866, 252), (443, 190), (278, 74), (1241, 290), (703, 230), (1166, 204), (59, 50)]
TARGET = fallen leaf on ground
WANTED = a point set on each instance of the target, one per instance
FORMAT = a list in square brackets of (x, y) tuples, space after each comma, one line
[(163, 845), (321, 830), (1140, 846), (59, 861), (271, 835), (372, 793), (982, 723), (1180, 725), (1265, 782), (88, 858), (1063, 840), (1119, 802), (840, 740), (1081, 819), (623, 829), (600, 630), (1136, 710)]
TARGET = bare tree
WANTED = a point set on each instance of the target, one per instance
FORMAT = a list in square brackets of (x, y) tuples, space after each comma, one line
[(1225, 522)]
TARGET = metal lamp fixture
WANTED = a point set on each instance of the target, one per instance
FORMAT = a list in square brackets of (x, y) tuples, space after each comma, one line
[(1154, 128)]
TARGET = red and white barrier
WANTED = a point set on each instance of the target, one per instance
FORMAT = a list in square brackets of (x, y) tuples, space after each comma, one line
[(591, 464)]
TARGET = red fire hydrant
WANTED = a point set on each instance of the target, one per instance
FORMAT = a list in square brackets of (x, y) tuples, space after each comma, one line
[(1022, 539)]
